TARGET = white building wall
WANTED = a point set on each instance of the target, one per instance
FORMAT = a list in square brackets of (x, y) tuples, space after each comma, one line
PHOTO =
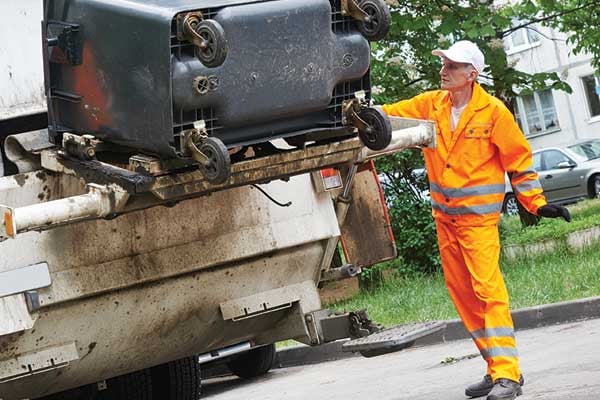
[(21, 66), (553, 54)]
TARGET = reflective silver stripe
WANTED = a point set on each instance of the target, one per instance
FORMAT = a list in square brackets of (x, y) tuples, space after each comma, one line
[(465, 210), (521, 174), (528, 185), (468, 191), (493, 332), (499, 352)]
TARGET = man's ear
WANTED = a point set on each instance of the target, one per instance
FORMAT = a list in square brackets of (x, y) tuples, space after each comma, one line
[(473, 74)]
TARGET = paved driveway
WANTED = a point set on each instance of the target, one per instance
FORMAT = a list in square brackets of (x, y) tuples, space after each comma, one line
[(559, 362)]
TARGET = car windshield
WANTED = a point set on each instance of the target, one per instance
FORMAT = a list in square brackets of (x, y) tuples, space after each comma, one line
[(587, 150)]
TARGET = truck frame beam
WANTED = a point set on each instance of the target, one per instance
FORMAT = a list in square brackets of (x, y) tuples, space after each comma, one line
[(106, 198)]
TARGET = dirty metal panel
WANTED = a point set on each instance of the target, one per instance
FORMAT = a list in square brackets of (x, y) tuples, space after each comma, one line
[(161, 242), (261, 303), (367, 238), (21, 77), (392, 339), (14, 315), (147, 325), (23, 279), (38, 362)]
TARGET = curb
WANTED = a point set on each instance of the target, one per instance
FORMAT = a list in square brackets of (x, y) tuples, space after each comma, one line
[(525, 318), (575, 241)]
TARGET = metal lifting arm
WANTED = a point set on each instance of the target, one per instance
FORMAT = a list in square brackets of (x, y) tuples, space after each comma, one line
[(99, 202)]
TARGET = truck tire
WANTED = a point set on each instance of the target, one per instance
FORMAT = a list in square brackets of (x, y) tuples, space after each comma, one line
[(253, 363), (133, 386), (177, 380)]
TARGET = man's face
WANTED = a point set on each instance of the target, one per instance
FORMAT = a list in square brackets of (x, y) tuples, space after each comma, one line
[(456, 76)]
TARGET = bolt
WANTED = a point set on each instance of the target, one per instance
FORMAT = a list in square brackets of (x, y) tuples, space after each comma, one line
[(90, 152), (309, 318), (314, 341)]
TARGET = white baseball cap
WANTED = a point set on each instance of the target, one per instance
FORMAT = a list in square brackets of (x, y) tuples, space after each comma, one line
[(463, 51)]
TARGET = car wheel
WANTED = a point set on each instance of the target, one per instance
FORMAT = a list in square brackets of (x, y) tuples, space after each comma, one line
[(510, 206), (594, 187)]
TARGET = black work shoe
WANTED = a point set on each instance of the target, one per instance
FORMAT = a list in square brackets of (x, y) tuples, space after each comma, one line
[(485, 386), (505, 389)]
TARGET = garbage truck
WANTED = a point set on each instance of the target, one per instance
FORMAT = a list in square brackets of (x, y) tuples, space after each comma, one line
[(168, 199)]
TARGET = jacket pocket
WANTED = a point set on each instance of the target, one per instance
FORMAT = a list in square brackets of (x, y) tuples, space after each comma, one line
[(477, 141)]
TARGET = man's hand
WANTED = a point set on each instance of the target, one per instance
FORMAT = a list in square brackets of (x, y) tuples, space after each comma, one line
[(554, 211)]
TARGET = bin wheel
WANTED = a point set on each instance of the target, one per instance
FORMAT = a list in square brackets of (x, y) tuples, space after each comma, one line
[(213, 50), (378, 134), (378, 24), (218, 168)]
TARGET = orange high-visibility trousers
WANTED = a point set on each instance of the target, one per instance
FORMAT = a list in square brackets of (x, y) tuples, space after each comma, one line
[(470, 256)]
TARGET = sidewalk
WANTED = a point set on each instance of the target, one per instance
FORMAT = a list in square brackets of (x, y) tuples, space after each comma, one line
[(526, 318)]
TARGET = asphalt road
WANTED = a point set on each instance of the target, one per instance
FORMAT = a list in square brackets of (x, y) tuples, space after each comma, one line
[(559, 362)]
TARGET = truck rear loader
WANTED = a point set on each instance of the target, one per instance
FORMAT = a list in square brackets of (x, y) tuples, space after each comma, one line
[(130, 255)]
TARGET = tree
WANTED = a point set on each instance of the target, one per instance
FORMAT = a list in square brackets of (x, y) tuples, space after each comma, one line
[(403, 65)]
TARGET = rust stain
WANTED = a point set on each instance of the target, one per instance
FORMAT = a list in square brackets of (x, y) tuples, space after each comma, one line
[(6, 341), (91, 348), (21, 179)]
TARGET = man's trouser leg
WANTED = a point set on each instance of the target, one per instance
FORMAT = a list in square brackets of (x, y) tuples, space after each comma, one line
[(470, 258)]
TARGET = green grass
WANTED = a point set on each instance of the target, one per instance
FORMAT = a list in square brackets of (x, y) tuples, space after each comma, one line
[(549, 278), (585, 214)]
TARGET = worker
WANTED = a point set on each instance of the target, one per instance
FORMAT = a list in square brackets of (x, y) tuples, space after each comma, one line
[(478, 141)]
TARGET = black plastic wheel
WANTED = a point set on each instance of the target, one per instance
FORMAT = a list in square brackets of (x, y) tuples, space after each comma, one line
[(214, 51), (253, 363), (378, 25), (218, 169), (378, 134), (177, 380)]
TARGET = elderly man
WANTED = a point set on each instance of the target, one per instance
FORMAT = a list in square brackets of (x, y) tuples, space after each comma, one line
[(478, 141)]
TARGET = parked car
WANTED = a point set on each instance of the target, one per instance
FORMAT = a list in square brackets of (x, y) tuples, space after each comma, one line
[(569, 173)]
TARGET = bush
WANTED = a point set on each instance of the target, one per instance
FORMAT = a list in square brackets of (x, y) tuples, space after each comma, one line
[(407, 195)]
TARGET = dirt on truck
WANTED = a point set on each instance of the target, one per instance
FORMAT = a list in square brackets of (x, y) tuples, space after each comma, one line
[(175, 179)]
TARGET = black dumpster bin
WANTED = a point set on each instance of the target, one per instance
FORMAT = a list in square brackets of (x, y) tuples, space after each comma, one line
[(176, 77)]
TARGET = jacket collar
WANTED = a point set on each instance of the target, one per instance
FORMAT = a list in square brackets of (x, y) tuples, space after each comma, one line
[(479, 100)]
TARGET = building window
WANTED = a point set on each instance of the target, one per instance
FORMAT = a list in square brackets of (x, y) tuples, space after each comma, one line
[(522, 39), (592, 93), (536, 113)]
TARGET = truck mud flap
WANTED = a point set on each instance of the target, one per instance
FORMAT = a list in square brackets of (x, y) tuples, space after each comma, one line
[(392, 339)]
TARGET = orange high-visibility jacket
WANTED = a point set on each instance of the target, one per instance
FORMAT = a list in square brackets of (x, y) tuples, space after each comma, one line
[(466, 169)]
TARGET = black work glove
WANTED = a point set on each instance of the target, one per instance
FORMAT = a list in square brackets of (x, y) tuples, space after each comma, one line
[(554, 211)]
